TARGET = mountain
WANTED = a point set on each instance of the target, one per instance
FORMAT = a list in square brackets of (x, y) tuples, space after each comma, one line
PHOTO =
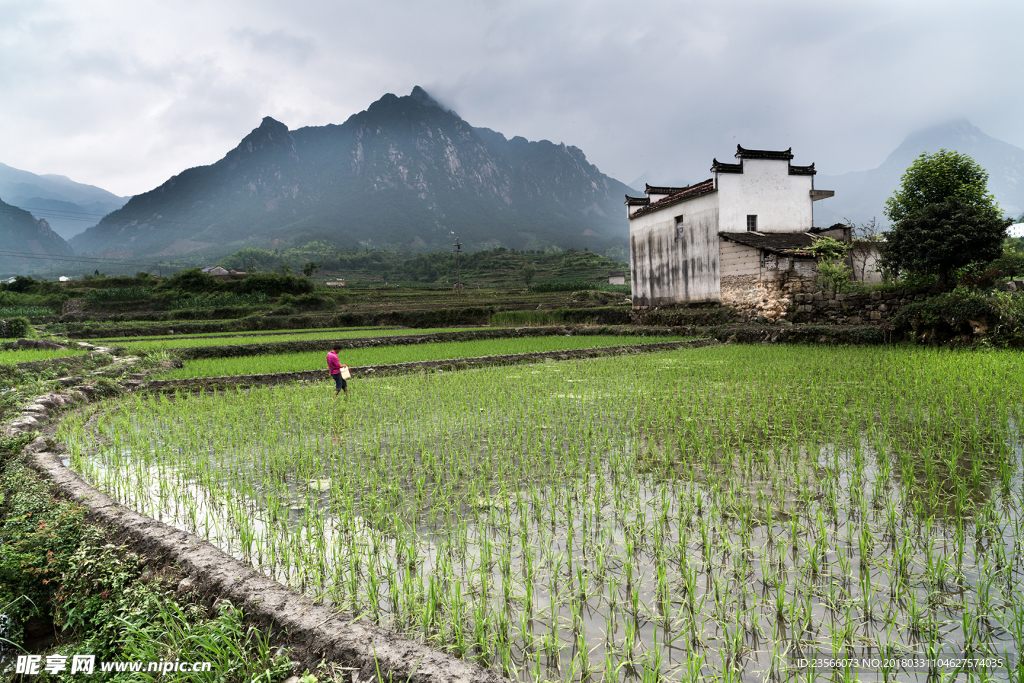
[(69, 207), (407, 173), (27, 242), (861, 195)]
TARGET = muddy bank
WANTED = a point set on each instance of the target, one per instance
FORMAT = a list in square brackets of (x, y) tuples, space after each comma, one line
[(314, 631)]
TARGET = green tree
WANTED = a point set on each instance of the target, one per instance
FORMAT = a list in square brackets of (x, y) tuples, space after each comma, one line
[(528, 272), (934, 178), (940, 238), (943, 218)]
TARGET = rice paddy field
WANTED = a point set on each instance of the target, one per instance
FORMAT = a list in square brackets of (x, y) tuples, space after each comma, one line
[(315, 360), (25, 355), (190, 341), (734, 513)]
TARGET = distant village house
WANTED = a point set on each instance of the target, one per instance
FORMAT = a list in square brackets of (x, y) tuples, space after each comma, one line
[(737, 238), (223, 273)]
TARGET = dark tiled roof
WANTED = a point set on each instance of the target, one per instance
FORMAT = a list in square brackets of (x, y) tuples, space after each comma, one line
[(785, 243), (652, 189), (801, 170), (687, 193), (718, 167), (637, 201), (763, 154)]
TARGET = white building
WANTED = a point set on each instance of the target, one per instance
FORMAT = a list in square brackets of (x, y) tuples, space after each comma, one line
[(736, 237)]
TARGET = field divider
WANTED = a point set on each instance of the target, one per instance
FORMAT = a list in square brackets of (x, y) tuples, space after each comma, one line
[(314, 630), (237, 350), (423, 366)]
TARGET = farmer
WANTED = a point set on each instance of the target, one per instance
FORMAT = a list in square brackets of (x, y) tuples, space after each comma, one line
[(334, 367)]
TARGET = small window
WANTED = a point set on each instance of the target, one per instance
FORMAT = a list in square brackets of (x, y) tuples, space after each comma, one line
[(751, 223), (679, 227)]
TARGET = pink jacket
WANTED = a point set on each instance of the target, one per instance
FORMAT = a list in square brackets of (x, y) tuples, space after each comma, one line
[(332, 362)]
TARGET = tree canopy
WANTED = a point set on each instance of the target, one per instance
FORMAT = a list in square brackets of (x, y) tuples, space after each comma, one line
[(934, 178), (943, 218)]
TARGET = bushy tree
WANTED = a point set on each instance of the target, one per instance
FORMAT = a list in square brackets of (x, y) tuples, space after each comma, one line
[(940, 238), (943, 218)]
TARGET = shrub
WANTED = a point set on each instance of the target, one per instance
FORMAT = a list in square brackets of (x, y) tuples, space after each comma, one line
[(1002, 312), (308, 302), (1010, 263), (191, 280), (834, 275), (274, 284), (15, 328)]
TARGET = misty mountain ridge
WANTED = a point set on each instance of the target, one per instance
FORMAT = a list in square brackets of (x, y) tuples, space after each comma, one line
[(407, 173), (69, 207), (860, 195), (27, 242)]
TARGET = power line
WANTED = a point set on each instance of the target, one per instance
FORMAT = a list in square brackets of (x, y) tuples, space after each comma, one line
[(159, 223), (62, 211), (86, 259)]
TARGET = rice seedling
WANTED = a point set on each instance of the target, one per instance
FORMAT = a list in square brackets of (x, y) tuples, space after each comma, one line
[(296, 362), (671, 516), (234, 339), (26, 355)]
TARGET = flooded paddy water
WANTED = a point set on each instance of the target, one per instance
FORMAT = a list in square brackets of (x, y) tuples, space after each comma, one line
[(733, 513)]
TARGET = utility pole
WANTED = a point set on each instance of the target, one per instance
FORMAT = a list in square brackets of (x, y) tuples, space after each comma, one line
[(458, 269)]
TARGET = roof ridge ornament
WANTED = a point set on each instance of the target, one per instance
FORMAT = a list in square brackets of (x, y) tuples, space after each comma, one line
[(743, 153)]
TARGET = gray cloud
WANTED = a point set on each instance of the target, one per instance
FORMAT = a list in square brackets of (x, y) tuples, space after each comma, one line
[(125, 97), (278, 44)]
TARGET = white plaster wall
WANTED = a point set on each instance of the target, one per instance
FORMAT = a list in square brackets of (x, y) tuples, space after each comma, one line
[(781, 202), (669, 268), (864, 259)]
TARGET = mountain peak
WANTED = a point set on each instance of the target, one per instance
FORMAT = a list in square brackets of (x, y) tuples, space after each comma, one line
[(420, 95)]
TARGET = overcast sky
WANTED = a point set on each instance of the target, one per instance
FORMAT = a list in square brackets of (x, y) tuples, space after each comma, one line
[(125, 94)]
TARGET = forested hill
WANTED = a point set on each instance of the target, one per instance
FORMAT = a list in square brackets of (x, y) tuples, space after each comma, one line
[(405, 174), (26, 242)]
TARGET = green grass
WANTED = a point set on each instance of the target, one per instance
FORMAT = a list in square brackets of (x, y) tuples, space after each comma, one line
[(315, 360), (103, 599), (666, 516), (330, 335), (25, 355), (261, 333)]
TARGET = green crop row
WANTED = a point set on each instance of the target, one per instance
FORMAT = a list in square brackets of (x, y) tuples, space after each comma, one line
[(25, 311), (315, 360), (329, 335)]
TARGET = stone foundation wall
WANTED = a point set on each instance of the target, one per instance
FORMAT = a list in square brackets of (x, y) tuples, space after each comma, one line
[(851, 309), (762, 299)]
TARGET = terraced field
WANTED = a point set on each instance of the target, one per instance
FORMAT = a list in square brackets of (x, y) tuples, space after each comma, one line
[(315, 360), (735, 513)]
